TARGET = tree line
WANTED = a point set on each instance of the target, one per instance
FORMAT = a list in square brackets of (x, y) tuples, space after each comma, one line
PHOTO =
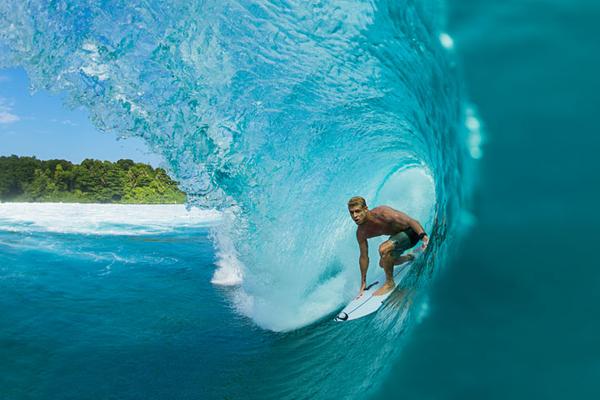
[(93, 181)]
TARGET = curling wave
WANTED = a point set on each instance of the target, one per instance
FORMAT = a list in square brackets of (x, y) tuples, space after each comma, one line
[(276, 112)]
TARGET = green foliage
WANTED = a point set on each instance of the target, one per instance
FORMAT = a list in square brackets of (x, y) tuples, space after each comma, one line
[(92, 181), (15, 172)]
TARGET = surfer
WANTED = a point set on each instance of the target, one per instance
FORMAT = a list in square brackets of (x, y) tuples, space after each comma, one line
[(405, 232)]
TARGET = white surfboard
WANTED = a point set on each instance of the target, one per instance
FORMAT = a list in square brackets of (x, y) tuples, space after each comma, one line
[(367, 303)]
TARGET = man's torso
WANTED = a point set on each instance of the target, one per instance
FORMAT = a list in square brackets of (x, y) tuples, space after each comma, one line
[(384, 221)]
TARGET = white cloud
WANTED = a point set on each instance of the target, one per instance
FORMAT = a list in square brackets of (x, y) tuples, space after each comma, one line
[(64, 122), (8, 118), (68, 122), (6, 112)]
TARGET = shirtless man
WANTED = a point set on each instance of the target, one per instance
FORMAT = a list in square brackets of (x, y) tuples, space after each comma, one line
[(404, 232)]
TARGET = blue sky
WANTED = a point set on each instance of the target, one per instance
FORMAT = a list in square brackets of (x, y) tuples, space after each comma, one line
[(40, 125)]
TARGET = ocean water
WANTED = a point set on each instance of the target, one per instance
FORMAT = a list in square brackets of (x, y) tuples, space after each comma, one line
[(104, 301), (516, 314), (116, 301), (476, 118)]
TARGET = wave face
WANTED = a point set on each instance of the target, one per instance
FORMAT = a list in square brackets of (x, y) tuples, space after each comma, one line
[(278, 111)]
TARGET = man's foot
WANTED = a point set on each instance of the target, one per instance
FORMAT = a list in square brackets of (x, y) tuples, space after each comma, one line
[(363, 287), (388, 286)]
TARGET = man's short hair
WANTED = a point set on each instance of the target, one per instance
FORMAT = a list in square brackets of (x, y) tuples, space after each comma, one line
[(357, 201)]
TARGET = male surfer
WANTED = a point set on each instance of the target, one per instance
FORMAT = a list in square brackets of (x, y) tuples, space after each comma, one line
[(405, 232)]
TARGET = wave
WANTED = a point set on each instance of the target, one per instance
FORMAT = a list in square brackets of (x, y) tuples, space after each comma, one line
[(275, 112)]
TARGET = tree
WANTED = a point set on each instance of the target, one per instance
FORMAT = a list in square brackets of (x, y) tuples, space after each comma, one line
[(125, 164), (26, 178), (15, 172), (41, 186)]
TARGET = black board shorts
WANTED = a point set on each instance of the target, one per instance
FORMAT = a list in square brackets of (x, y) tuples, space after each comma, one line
[(403, 241)]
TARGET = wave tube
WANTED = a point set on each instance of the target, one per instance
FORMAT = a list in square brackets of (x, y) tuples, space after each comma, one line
[(277, 111)]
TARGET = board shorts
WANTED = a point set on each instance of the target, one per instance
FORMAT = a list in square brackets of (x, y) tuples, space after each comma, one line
[(403, 241)]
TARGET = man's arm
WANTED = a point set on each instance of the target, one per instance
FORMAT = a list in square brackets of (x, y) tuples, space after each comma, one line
[(418, 228), (363, 261)]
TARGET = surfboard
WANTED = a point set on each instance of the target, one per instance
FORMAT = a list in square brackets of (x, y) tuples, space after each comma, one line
[(367, 303)]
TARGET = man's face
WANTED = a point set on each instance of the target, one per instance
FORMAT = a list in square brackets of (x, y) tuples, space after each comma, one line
[(358, 214)]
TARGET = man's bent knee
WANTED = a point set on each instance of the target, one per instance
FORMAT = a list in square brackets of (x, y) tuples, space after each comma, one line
[(385, 248)]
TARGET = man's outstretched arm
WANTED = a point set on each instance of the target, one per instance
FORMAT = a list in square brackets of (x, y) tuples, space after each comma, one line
[(363, 261)]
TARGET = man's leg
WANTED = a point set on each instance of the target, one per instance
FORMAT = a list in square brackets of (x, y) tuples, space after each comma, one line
[(403, 259), (387, 263), (388, 258)]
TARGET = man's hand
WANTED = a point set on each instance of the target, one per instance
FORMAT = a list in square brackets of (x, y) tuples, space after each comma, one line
[(425, 241)]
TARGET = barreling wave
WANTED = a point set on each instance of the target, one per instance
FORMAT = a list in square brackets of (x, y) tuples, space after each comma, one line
[(275, 111)]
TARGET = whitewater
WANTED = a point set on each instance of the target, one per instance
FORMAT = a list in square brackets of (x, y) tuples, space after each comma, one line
[(275, 113), (103, 219)]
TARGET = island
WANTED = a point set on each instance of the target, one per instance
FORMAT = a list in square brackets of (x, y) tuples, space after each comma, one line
[(28, 179)]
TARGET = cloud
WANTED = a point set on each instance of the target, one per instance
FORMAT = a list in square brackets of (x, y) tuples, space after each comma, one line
[(68, 122), (64, 122), (4, 78), (6, 112), (8, 118)]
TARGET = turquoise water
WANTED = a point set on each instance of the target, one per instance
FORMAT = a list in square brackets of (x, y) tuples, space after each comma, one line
[(120, 317), (515, 315), (105, 309), (279, 114)]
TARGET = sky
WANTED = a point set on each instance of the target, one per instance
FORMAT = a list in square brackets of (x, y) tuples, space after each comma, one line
[(40, 125)]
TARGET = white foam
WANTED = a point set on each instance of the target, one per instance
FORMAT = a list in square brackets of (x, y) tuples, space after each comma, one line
[(286, 313), (446, 41), (103, 219), (230, 269), (475, 138)]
